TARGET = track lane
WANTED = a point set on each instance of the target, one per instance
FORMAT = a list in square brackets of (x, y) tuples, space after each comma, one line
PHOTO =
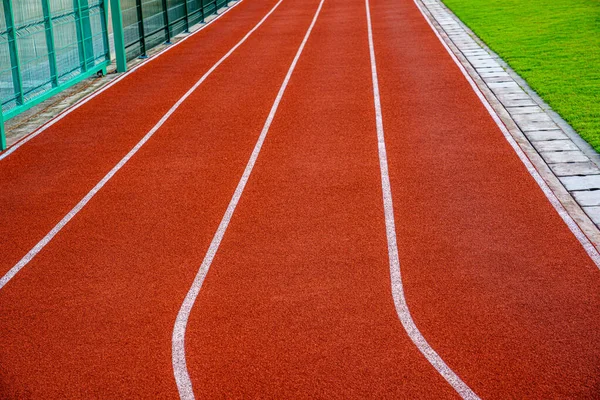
[(495, 280), (402, 309), (297, 303), (91, 316), (180, 371), (44, 179)]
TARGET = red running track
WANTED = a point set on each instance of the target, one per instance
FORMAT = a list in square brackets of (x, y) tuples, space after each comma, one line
[(298, 299)]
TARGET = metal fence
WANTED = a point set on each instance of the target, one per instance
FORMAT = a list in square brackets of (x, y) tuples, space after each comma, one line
[(146, 24), (48, 45)]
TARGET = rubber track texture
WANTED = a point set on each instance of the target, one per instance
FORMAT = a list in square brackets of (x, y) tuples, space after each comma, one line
[(180, 371), (297, 303), (46, 177), (91, 315), (494, 279), (395, 271)]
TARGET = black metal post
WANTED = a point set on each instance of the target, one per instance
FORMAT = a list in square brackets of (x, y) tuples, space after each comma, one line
[(140, 15), (166, 21)]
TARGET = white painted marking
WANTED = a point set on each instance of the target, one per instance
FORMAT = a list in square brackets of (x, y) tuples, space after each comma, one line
[(583, 239), (182, 377), (58, 227), (81, 102), (396, 278)]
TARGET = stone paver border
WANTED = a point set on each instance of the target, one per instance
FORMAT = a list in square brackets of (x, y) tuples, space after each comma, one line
[(568, 164)]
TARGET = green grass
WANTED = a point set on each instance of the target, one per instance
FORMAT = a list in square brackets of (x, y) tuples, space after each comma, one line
[(553, 44)]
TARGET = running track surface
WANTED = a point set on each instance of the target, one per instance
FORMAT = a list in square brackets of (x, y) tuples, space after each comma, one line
[(297, 302)]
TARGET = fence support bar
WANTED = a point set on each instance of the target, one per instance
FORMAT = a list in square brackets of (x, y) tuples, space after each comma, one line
[(2, 133), (140, 15), (80, 38), (166, 21), (86, 29), (50, 42), (13, 50), (119, 35), (104, 24), (187, 15)]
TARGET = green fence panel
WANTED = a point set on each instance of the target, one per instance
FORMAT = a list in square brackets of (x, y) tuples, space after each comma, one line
[(47, 46), (148, 23)]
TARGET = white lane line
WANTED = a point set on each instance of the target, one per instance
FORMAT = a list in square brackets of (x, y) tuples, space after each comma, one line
[(396, 278), (583, 239), (42, 243), (182, 377), (81, 102)]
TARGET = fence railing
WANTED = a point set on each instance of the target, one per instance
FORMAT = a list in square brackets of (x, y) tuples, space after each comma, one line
[(146, 24), (47, 46)]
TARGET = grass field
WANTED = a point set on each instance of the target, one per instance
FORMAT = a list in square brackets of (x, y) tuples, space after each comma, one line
[(553, 44)]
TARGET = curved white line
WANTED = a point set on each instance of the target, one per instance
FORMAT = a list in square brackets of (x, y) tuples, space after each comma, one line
[(396, 278), (182, 377), (583, 239), (61, 224), (81, 102)]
